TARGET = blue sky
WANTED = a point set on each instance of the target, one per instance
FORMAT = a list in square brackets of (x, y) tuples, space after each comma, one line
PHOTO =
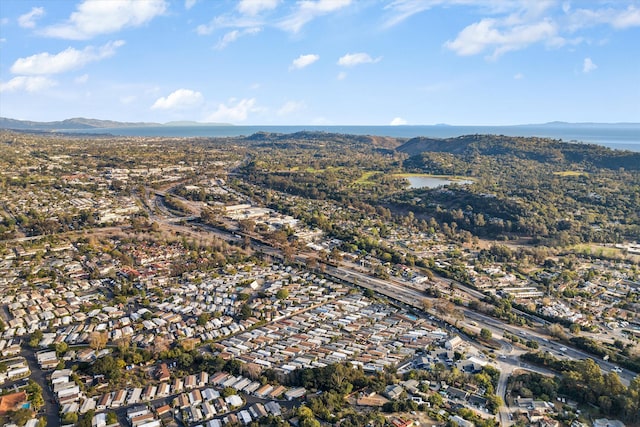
[(321, 62)]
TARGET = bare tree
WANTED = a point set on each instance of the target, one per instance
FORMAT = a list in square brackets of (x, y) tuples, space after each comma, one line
[(98, 340)]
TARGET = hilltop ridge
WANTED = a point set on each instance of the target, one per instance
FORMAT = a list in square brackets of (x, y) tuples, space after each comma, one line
[(85, 123), (544, 150)]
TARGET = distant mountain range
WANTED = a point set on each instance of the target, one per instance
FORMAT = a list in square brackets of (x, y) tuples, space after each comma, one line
[(77, 123)]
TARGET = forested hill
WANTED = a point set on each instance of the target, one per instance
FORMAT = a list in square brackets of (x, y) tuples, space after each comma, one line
[(527, 148), (314, 138)]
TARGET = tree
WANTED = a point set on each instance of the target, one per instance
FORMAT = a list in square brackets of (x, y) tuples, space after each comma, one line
[(493, 403), (107, 366), (160, 344), (532, 344), (203, 318), (245, 311), (307, 418), (557, 331), (282, 294), (98, 340), (436, 400), (33, 388), (21, 416), (61, 348), (37, 401), (228, 391), (85, 420), (112, 418), (35, 339), (185, 360), (123, 344), (485, 333), (70, 418)]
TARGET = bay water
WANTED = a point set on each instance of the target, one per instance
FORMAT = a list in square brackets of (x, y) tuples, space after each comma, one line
[(623, 136)]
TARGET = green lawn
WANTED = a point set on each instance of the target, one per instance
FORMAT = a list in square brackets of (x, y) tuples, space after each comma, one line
[(571, 173), (428, 175), (365, 178)]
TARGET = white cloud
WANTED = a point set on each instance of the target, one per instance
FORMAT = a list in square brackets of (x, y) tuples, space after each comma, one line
[(588, 65), (342, 75), (308, 10), (403, 9), (28, 20), (188, 4), (304, 61), (353, 59), (626, 18), (233, 111), (500, 36), (82, 79), (28, 83), (254, 7), (400, 10), (69, 59), (398, 121), (618, 19), (229, 21), (204, 30), (230, 37), (520, 24), (234, 35), (518, 76), (180, 99), (95, 17), (291, 107), (513, 18)]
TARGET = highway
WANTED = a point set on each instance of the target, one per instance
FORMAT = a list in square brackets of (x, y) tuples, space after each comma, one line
[(414, 299), (508, 361)]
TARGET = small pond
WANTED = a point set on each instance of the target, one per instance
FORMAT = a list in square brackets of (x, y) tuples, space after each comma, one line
[(433, 181)]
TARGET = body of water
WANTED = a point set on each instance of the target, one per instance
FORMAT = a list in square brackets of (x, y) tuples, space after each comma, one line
[(433, 181), (616, 136)]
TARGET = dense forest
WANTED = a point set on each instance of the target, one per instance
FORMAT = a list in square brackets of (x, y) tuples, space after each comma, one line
[(553, 192), (542, 150)]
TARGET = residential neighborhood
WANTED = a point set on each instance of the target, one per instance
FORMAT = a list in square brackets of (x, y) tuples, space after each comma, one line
[(178, 291)]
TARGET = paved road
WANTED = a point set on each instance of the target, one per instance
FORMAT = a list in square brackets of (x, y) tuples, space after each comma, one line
[(50, 409), (413, 297), (501, 390)]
